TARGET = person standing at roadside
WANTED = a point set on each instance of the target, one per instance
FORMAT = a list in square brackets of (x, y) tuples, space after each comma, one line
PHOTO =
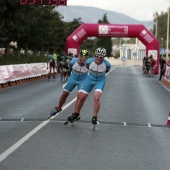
[(146, 65), (162, 67), (143, 65), (151, 67)]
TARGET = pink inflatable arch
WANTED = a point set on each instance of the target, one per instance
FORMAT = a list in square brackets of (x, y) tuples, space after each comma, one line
[(114, 30)]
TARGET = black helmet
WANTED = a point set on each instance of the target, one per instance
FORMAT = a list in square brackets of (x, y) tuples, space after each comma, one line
[(84, 52)]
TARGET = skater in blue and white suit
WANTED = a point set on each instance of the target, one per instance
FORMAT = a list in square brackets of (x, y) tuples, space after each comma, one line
[(77, 77)]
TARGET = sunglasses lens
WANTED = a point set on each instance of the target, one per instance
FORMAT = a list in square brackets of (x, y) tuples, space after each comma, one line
[(99, 57)]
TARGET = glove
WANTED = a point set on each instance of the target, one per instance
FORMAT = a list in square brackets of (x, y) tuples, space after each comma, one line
[(47, 68)]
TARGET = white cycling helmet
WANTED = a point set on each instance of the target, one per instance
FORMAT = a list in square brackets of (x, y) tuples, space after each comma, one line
[(100, 51)]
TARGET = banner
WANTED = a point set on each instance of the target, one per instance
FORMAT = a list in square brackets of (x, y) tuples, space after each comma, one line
[(167, 73), (10, 73)]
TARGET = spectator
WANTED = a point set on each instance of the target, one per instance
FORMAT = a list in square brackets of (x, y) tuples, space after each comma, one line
[(162, 67), (146, 65), (151, 66), (143, 64)]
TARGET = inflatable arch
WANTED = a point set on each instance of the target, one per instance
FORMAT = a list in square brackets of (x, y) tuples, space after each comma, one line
[(114, 30)]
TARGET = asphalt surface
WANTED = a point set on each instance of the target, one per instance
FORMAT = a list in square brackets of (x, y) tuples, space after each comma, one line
[(132, 134)]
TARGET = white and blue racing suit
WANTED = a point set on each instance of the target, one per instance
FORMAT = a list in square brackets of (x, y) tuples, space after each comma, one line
[(96, 76), (77, 77)]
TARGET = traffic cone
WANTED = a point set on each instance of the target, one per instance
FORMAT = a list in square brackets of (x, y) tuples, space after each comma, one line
[(168, 122)]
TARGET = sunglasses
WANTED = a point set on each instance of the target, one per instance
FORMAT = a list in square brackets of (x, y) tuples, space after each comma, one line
[(99, 57)]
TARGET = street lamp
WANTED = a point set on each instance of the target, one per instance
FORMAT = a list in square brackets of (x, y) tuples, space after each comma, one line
[(65, 13), (156, 27), (167, 39), (162, 39)]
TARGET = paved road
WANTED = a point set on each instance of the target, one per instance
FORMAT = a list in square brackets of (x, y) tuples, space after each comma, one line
[(131, 135)]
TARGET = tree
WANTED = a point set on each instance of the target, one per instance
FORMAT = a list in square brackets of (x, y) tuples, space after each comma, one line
[(37, 28), (161, 20)]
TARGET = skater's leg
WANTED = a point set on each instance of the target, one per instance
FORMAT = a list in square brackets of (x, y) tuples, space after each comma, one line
[(80, 102), (97, 95), (63, 98), (60, 104)]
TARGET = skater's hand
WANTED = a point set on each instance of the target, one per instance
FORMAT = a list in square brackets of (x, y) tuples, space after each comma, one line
[(47, 68)]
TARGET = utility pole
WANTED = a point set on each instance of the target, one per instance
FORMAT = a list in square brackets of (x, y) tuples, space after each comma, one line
[(155, 15), (167, 39), (65, 13)]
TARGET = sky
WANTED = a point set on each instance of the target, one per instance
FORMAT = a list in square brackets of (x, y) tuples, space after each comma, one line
[(141, 10)]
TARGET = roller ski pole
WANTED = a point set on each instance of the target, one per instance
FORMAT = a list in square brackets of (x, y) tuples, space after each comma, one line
[(72, 119), (94, 122)]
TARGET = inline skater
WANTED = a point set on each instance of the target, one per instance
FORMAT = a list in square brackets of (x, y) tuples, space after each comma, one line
[(77, 77), (52, 65), (96, 78), (63, 69)]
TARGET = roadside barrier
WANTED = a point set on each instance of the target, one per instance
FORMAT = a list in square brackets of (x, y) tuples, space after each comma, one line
[(13, 75), (166, 78), (168, 122)]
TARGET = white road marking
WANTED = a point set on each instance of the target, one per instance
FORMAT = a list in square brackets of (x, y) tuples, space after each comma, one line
[(125, 124), (6, 153), (98, 122), (64, 85), (149, 125)]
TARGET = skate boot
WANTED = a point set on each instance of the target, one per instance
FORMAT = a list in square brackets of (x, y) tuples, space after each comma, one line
[(94, 121), (71, 119), (54, 111)]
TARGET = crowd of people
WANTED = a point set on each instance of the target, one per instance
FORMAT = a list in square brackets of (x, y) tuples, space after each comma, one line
[(59, 64), (149, 64)]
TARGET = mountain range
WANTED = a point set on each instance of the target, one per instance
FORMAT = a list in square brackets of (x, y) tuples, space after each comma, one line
[(93, 14)]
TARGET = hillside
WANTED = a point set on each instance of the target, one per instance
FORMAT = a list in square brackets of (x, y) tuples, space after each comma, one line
[(92, 15)]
